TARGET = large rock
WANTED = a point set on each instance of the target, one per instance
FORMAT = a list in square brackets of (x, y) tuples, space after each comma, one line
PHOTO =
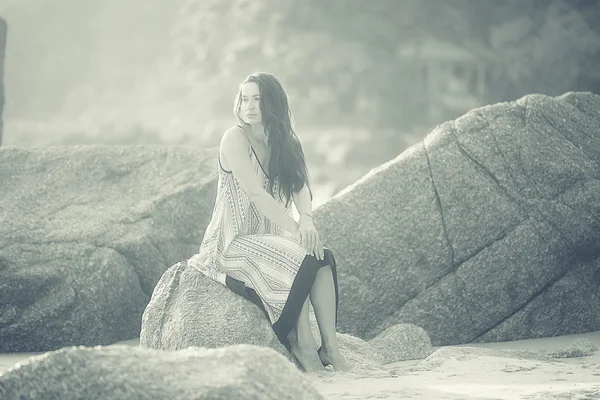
[(189, 309), (87, 231), (123, 372), (488, 230)]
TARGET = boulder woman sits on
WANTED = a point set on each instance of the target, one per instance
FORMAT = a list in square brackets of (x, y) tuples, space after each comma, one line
[(253, 244)]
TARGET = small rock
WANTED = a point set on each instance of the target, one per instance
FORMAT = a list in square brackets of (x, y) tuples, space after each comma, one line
[(402, 342), (579, 348), (517, 368), (361, 355)]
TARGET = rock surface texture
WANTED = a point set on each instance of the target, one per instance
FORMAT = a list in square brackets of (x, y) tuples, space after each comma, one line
[(402, 342), (189, 309), (579, 348), (488, 230), (87, 231), (125, 372)]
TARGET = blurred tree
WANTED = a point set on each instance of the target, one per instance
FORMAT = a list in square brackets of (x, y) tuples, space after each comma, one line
[(173, 67), (589, 78), (540, 49)]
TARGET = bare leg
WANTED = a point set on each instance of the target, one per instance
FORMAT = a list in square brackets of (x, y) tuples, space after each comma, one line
[(322, 297), (303, 344)]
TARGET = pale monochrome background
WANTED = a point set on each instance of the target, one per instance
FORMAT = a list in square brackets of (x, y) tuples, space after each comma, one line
[(469, 264), (381, 73)]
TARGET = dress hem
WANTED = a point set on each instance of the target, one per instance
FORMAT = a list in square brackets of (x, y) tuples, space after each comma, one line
[(299, 291)]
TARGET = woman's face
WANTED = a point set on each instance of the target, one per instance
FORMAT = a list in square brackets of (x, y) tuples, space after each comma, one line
[(251, 103)]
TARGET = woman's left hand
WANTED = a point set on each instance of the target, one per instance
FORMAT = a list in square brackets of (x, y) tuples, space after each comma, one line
[(309, 237)]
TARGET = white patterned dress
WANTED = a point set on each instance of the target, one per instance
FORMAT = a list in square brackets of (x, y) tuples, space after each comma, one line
[(242, 243)]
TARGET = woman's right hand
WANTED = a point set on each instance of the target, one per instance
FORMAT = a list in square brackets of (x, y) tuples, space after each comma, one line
[(308, 237)]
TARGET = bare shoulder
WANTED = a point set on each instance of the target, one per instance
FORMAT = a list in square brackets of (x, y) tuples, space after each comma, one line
[(234, 137), (234, 145)]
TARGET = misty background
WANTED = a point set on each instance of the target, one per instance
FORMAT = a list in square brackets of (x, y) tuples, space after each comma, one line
[(366, 79)]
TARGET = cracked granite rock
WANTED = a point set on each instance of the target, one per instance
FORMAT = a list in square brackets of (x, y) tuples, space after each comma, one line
[(488, 230)]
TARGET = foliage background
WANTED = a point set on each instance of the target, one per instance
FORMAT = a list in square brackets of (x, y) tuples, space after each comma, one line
[(165, 72)]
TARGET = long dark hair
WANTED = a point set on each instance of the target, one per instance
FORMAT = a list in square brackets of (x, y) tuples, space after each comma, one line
[(287, 160)]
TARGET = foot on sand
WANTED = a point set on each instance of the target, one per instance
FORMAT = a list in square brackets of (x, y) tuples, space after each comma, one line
[(308, 358), (333, 356)]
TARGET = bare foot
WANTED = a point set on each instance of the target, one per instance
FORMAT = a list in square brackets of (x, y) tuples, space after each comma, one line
[(308, 358), (333, 357)]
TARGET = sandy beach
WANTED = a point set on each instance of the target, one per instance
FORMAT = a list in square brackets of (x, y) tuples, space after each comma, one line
[(484, 377), (468, 375)]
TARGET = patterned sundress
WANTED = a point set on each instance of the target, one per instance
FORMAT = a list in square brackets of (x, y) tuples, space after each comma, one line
[(243, 244)]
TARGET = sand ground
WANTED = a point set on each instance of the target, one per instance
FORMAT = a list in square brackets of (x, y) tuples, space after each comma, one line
[(473, 377)]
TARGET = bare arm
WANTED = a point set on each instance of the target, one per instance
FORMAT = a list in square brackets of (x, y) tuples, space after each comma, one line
[(234, 147), (309, 237), (303, 202)]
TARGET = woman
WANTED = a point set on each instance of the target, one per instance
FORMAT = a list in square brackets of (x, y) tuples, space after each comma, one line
[(253, 245)]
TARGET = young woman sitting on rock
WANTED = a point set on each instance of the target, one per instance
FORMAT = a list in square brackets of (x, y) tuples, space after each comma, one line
[(253, 244)]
